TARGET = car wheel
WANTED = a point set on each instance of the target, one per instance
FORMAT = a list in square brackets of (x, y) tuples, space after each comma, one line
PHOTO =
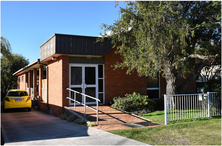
[(29, 109)]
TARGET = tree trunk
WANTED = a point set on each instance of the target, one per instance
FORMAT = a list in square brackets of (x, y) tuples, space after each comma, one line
[(170, 86)]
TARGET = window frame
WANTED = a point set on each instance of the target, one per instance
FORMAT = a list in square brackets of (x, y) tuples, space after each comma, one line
[(155, 88), (103, 78)]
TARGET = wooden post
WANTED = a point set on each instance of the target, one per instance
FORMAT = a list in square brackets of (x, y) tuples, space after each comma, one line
[(34, 82), (40, 82), (29, 82)]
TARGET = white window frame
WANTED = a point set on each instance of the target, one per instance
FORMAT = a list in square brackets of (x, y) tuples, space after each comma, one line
[(101, 103)]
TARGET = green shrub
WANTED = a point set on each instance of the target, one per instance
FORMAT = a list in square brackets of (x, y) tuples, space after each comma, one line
[(70, 118), (63, 116), (133, 102), (213, 85), (80, 121)]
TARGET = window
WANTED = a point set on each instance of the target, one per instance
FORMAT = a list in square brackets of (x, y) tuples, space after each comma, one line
[(19, 79), (17, 93), (22, 78), (153, 86)]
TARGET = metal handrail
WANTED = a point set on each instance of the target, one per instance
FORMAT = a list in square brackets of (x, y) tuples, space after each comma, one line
[(83, 94), (80, 103), (84, 104)]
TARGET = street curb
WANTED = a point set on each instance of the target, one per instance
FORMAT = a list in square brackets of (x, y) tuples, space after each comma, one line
[(4, 135)]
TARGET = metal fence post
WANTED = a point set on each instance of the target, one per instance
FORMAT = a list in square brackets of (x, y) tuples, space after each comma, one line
[(84, 106), (165, 108), (208, 98), (97, 119), (84, 102), (75, 101)]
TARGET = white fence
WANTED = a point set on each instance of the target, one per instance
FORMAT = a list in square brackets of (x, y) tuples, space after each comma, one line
[(191, 106)]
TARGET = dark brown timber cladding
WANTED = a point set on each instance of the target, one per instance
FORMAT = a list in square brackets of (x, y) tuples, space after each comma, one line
[(74, 45), (81, 45)]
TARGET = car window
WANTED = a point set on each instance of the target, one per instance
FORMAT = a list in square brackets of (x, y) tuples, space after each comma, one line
[(17, 93)]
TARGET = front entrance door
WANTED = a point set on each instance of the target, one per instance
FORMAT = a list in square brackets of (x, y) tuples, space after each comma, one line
[(84, 79)]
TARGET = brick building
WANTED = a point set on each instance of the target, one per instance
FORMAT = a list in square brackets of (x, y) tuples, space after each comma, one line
[(82, 64)]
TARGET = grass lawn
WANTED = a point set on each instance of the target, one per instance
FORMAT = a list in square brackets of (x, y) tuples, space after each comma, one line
[(189, 132), (157, 116)]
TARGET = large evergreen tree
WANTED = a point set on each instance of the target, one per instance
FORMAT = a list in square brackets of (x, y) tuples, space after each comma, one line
[(10, 63), (166, 37)]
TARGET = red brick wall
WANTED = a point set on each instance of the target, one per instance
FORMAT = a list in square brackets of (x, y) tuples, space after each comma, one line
[(58, 81), (117, 82), (22, 83), (43, 106), (18, 83), (191, 88), (55, 84)]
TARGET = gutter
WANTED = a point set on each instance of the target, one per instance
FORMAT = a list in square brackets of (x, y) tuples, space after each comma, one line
[(42, 63), (29, 65)]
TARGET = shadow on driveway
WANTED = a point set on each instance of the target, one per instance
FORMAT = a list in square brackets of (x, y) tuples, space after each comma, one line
[(21, 125), (37, 128)]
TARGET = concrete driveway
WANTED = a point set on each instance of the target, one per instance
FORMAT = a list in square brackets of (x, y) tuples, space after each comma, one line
[(21, 127)]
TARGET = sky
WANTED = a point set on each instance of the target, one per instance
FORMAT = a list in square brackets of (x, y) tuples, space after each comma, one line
[(28, 24)]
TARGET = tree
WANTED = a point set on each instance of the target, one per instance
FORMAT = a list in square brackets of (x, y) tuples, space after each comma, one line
[(166, 37), (5, 48), (10, 63)]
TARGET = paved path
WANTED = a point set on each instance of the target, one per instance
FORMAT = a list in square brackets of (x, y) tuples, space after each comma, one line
[(112, 119), (21, 127)]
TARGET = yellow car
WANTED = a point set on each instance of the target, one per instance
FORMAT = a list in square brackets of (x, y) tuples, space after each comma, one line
[(17, 98)]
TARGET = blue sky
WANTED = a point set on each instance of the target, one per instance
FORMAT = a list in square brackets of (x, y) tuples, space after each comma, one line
[(28, 24)]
